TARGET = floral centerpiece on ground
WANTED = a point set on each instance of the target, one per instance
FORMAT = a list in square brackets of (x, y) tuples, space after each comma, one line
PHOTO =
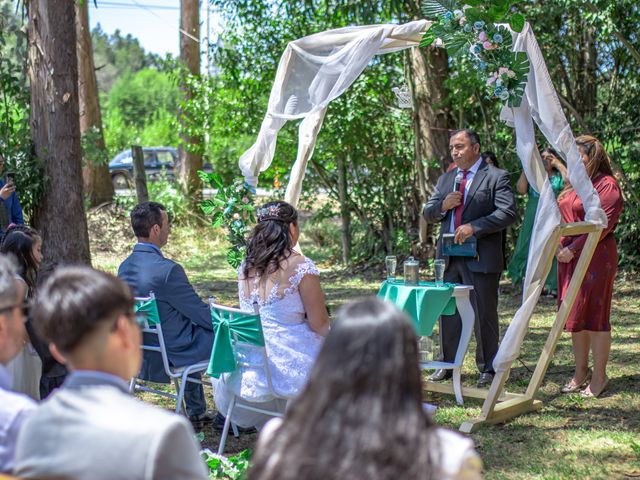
[(471, 28)]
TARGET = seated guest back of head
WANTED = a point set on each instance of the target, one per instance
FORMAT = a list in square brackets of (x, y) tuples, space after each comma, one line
[(286, 286), (92, 427), (14, 407), (185, 318), (361, 414)]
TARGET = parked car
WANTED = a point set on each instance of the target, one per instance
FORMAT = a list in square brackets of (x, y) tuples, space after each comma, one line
[(156, 159)]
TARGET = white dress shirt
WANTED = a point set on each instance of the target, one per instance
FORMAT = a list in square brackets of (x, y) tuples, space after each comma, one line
[(14, 408)]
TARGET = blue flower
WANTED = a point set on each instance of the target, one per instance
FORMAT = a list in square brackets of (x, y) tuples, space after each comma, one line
[(478, 25), (504, 94), (483, 65), (477, 48), (497, 38), (498, 82), (448, 16), (498, 91), (467, 27)]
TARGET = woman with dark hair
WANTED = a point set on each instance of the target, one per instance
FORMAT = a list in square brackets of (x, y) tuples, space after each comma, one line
[(286, 287), (557, 173), (361, 414), (490, 158), (25, 245), (588, 321)]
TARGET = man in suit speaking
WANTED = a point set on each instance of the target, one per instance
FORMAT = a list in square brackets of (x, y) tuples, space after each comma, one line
[(473, 200), (185, 318)]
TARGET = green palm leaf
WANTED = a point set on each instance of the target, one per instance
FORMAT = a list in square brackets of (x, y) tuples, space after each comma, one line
[(432, 9)]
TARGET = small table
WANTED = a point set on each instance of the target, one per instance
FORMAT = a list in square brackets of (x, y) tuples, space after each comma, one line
[(424, 304)]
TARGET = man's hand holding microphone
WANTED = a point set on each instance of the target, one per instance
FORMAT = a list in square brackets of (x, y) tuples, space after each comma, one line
[(452, 201)]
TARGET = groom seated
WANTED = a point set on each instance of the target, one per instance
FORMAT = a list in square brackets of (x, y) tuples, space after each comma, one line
[(185, 318), (92, 427)]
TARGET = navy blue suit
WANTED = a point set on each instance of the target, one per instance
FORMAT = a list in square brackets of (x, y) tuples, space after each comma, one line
[(14, 210), (185, 318)]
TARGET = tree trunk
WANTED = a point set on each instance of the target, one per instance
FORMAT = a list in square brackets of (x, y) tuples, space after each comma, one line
[(345, 210), (190, 162), (97, 180), (55, 129), (426, 71), (586, 86)]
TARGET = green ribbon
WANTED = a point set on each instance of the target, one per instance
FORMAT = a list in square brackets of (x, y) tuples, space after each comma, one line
[(247, 329), (423, 303), (149, 308)]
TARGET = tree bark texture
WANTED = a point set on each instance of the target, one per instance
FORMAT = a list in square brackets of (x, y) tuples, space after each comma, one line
[(55, 130), (345, 210), (426, 71), (97, 180), (190, 162)]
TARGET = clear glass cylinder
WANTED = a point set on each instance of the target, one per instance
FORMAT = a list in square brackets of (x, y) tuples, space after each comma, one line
[(425, 349)]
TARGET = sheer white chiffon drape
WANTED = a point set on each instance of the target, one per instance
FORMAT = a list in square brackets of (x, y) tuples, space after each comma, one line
[(316, 69)]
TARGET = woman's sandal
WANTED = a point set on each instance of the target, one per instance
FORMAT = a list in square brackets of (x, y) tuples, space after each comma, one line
[(570, 387), (590, 394)]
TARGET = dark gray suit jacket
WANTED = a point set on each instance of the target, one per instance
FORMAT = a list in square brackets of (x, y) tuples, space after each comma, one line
[(489, 209), (185, 318)]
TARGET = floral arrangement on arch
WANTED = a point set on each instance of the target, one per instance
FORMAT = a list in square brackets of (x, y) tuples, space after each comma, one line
[(470, 28), (232, 206)]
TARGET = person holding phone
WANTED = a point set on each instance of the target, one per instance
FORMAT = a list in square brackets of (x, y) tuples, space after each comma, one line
[(10, 208)]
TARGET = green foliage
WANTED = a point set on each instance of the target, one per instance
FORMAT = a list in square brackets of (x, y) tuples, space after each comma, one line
[(115, 55), (138, 97), (474, 33), (227, 468), (231, 206), (92, 148), (15, 135), (163, 191)]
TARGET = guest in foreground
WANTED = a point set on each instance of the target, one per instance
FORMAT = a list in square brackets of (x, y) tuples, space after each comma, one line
[(14, 407), (588, 321), (472, 200), (185, 318), (361, 414), (286, 286), (557, 174), (92, 427)]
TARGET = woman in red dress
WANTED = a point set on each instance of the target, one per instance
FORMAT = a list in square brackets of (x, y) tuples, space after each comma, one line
[(588, 321)]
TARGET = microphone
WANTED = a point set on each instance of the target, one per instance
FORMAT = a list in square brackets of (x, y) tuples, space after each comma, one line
[(458, 182)]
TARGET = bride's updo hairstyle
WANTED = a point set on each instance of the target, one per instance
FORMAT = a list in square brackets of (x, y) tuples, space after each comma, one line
[(270, 242)]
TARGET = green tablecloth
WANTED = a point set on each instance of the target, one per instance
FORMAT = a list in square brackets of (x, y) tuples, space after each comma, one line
[(424, 303)]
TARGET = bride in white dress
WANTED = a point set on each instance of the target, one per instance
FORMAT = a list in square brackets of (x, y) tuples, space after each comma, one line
[(286, 287)]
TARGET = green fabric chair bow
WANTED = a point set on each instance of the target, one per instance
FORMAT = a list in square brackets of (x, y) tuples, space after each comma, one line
[(149, 308), (247, 329)]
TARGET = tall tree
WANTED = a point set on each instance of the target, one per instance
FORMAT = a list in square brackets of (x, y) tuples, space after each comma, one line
[(95, 172), (55, 129), (190, 156)]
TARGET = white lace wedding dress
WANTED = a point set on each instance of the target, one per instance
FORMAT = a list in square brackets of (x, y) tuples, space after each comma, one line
[(292, 346)]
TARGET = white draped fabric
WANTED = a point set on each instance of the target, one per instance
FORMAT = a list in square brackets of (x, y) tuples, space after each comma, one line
[(317, 69), (313, 71), (541, 103)]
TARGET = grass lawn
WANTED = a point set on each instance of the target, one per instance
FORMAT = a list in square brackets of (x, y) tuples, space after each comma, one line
[(569, 438)]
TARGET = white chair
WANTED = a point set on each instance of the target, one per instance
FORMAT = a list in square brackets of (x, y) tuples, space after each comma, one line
[(146, 309), (230, 318)]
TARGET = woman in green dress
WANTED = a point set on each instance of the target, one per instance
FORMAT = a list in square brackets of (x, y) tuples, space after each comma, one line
[(557, 176)]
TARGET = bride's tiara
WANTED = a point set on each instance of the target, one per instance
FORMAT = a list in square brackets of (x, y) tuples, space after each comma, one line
[(271, 212)]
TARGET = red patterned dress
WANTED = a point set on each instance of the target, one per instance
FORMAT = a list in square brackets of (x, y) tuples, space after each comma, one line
[(592, 307)]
